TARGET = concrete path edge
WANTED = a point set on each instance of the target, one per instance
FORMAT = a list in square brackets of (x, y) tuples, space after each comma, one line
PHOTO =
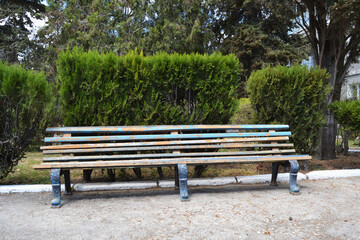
[(255, 179)]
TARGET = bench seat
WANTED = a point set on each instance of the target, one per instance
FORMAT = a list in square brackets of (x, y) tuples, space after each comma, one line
[(170, 145)]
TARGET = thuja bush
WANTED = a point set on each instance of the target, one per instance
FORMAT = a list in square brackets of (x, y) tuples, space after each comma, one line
[(294, 96), (25, 109), (347, 113), (105, 89)]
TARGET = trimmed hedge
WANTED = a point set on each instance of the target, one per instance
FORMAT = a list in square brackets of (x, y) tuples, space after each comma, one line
[(25, 108), (294, 96), (347, 113), (105, 89)]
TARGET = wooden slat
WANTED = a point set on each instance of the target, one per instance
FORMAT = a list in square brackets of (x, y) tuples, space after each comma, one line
[(161, 155), (177, 151), (164, 136), (162, 128), (163, 143), (163, 148), (170, 161)]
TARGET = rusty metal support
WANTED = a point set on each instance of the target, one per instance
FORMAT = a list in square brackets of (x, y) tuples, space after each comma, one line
[(56, 188), (294, 168), (184, 195)]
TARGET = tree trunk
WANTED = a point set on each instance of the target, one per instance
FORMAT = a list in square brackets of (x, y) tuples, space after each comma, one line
[(327, 145), (328, 138), (346, 142)]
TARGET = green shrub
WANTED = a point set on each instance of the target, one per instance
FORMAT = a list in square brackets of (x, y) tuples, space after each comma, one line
[(347, 113), (294, 96), (105, 89), (25, 103)]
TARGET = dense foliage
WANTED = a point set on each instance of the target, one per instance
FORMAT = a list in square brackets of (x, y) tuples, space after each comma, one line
[(332, 28), (257, 32), (105, 89), (294, 96), (347, 113), (25, 102), (16, 20)]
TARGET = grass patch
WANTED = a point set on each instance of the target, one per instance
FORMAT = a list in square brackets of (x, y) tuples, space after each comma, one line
[(23, 173), (354, 143)]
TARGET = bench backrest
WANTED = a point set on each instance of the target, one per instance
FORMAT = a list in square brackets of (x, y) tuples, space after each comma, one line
[(141, 143)]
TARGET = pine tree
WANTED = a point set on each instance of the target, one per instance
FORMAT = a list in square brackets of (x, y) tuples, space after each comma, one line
[(17, 17)]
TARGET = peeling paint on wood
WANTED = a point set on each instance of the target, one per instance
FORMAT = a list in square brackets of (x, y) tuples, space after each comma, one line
[(169, 145), (162, 128), (163, 148), (164, 143), (170, 161), (162, 155), (163, 136)]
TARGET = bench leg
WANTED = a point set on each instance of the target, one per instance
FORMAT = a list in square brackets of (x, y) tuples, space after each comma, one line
[(176, 175), (111, 174), (67, 182), (160, 172), (137, 172), (87, 175), (275, 170), (294, 168), (184, 195), (56, 188)]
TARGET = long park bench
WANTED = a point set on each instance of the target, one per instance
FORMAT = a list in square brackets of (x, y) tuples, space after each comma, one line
[(171, 145)]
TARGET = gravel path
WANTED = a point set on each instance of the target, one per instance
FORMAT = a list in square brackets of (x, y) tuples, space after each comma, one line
[(326, 209)]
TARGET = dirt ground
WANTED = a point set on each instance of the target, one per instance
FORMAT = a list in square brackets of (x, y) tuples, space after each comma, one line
[(327, 209), (352, 161)]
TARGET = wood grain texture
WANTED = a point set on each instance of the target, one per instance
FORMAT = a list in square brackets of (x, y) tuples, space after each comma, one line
[(163, 137), (164, 143), (162, 155), (170, 161), (162, 128)]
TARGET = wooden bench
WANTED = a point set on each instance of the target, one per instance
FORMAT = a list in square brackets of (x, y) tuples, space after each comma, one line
[(172, 145)]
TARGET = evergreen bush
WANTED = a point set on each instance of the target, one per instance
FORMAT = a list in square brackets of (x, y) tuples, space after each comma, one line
[(25, 108), (294, 96), (105, 89), (347, 113)]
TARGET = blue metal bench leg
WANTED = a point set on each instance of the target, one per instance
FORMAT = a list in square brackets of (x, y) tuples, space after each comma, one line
[(184, 195), (294, 168), (275, 170), (67, 182), (56, 188)]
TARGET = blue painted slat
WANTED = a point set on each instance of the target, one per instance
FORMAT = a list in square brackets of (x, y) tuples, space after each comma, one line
[(164, 143), (165, 136), (171, 161), (162, 128)]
